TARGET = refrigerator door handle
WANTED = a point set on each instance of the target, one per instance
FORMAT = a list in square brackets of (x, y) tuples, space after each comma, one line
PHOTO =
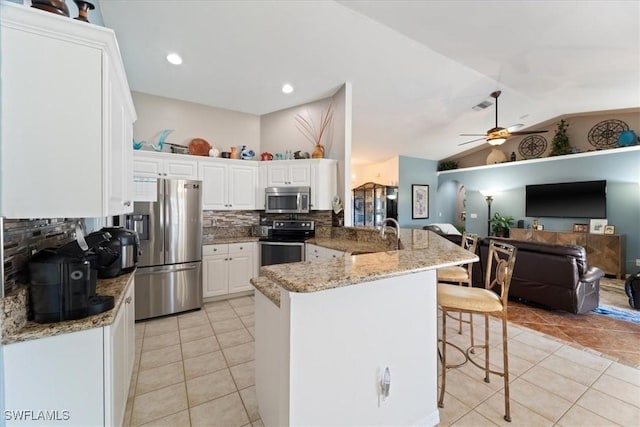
[(172, 270)]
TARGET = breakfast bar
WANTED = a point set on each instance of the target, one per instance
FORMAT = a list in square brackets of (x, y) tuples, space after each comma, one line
[(328, 330)]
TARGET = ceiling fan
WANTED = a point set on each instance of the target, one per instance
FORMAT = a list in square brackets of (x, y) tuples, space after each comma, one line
[(498, 135)]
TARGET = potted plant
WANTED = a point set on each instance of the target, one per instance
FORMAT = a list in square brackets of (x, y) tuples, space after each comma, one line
[(501, 224), (445, 165), (560, 142)]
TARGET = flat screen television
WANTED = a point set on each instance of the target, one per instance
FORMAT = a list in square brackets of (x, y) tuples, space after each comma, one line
[(586, 199)]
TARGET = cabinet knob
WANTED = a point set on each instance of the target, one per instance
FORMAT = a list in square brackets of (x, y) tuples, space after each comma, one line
[(127, 203), (241, 248), (128, 300)]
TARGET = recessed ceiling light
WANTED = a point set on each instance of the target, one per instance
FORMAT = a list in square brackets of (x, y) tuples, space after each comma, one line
[(287, 88), (174, 59)]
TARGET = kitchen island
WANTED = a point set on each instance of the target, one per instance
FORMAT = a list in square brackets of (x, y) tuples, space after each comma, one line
[(327, 330)]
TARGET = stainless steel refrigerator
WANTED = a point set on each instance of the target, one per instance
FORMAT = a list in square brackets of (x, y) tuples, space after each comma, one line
[(169, 223)]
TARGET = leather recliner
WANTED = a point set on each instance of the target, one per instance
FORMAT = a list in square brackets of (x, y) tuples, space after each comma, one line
[(552, 275)]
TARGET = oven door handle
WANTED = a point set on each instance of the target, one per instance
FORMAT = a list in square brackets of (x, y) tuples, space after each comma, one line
[(282, 243)]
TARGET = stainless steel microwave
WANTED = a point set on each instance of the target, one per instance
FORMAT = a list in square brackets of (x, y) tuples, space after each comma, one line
[(287, 199)]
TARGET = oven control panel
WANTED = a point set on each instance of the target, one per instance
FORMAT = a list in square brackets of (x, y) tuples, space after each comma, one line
[(294, 225)]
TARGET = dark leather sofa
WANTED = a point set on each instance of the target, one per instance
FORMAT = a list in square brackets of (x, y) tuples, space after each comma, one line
[(552, 275)]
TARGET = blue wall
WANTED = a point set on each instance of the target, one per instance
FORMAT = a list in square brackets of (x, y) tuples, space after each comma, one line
[(416, 171), (621, 169)]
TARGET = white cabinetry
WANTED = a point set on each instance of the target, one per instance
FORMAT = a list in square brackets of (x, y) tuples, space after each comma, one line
[(227, 268), (319, 174), (86, 373), (67, 118), (119, 356), (288, 173), (315, 252), (164, 165), (324, 183), (228, 184)]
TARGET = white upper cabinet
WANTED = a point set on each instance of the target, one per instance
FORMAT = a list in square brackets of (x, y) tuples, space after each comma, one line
[(319, 174), (164, 165), (324, 183), (228, 184), (67, 118), (288, 173)]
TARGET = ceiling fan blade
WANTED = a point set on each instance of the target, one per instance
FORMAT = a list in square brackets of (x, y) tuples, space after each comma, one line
[(529, 132), (515, 127), (469, 142), (473, 134)]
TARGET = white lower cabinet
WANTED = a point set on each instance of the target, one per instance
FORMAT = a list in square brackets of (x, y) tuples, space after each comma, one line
[(227, 268), (81, 378), (119, 355), (313, 252)]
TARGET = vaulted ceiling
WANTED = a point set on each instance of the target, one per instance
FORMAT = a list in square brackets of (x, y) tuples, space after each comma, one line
[(416, 67)]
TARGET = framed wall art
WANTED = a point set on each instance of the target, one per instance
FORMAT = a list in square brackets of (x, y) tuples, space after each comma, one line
[(609, 229), (419, 201), (580, 228), (596, 226)]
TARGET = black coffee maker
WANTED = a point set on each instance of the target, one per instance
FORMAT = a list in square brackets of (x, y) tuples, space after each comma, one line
[(60, 286), (63, 280)]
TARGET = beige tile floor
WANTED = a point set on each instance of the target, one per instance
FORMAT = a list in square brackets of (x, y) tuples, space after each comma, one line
[(196, 369)]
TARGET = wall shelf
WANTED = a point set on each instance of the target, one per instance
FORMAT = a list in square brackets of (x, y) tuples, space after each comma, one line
[(548, 159)]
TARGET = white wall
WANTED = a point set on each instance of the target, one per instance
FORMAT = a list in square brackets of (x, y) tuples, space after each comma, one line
[(341, 149), (386, 173), (221, 128), (278, 133)]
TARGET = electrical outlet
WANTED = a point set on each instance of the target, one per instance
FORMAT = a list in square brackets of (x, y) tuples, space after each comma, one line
[(638, 262), (474, 215)]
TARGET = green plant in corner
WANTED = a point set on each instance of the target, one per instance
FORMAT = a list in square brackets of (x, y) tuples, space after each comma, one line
[(560, 142), (501, 224), (444, 165)]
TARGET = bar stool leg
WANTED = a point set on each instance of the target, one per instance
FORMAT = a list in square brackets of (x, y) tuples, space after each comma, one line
[(486, 348), (505, 362), (444, 359)]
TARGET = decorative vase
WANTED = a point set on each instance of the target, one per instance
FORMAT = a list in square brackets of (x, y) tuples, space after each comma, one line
[(627, 138), (318, 152), (83, 10), (496, 156), (234, 153)]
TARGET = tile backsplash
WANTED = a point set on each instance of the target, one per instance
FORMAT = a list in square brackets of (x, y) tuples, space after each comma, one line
[(22, 237)]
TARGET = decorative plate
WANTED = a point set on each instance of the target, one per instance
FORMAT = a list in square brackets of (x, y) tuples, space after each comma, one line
[(532, 147), (606, 133), (199, 147)]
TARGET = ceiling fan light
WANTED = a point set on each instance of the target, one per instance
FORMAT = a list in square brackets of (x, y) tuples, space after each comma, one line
[(496, 141)]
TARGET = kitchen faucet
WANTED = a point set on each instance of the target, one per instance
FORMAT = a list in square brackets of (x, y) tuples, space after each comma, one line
[(397, 228)]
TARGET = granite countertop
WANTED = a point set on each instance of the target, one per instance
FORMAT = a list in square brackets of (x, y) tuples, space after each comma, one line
[(421, 250), (350, 246), (18, 331), (209, 240)]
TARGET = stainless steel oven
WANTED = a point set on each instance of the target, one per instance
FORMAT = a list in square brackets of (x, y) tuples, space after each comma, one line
[(292, 200), (286, 242)]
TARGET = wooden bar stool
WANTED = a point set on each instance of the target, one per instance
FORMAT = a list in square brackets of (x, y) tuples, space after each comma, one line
[(461, 275), (483, 301)]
